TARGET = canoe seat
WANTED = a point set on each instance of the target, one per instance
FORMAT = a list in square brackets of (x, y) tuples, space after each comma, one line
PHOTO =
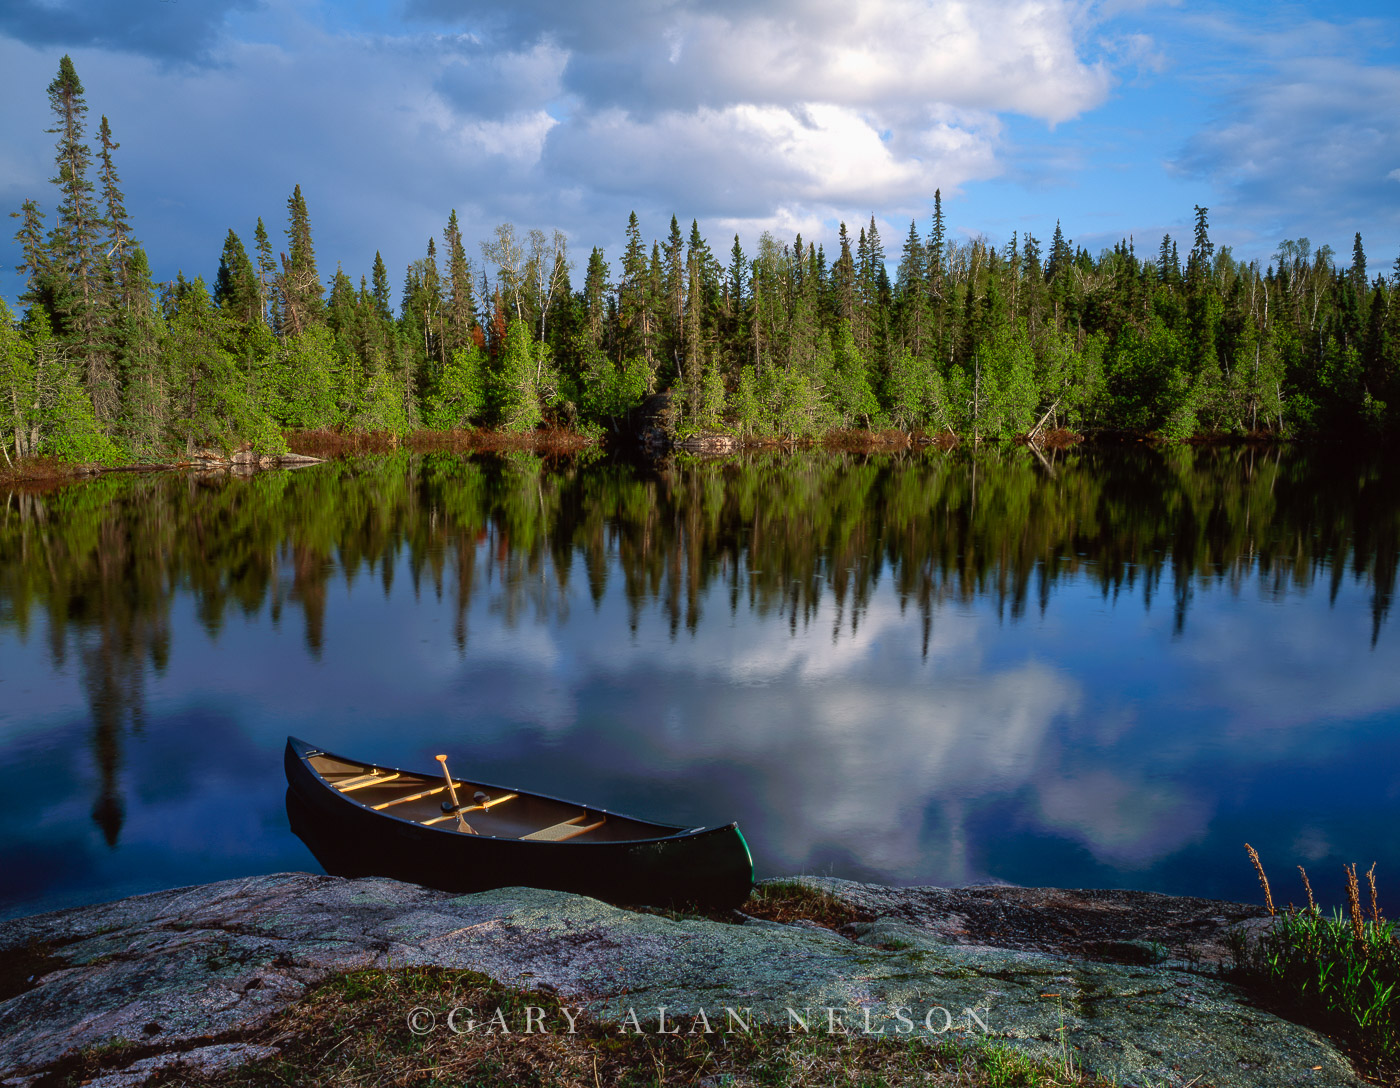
[(568, 829)]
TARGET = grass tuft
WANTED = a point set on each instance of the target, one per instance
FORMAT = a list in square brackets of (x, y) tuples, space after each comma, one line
[(1340, 973), (791, 901)]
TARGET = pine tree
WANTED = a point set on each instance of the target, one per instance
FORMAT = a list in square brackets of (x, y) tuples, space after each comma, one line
[(1198, 262), (461, 305), (301, 287), (596, 290), (634, 316), (76, 230), (119, 240), (935, 240), (236, 285), (698, 250), (145, 385), (843, 279), (913, 297), (75, 245), (430, 299), (735, 291), (35, 261), (675, 287), (267, 269), (1356, 274), (1061, 255), (383, 306)]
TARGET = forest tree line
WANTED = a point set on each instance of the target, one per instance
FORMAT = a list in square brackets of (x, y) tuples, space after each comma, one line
[(966, 337)]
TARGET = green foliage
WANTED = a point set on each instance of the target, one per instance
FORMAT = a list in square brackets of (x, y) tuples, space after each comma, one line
[(382, 406), (790, 406), (460, 397), (745, 406), (1344, 970), (1007, 397), (17, 385), (210, 402), (1147, 384), (69, 425), (849, 391), (515, 391), (611, 392), (307, 380), (49, 400)]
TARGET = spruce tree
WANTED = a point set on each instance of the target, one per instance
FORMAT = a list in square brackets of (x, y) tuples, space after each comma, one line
[(1202, 248), (75, 245), (300, 285), (843, 279), (143, 361), (1165, 259), (430, 299), (461, 305), (675, 286), (913, 300), (935, 247), (77, 227), (267, 270), (35, 263), (236, 285), (119, 240), (1356, 274), (698, 250), (383, 305), (632, 301), (1061, 256), (595, 294)]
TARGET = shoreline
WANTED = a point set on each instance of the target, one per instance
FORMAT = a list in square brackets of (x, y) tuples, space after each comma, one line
[(314, 447)]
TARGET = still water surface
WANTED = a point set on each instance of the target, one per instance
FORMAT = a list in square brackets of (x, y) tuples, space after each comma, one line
[(1110, 670)]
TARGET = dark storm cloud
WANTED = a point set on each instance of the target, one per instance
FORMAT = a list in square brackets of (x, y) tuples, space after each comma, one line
[(168, 30)]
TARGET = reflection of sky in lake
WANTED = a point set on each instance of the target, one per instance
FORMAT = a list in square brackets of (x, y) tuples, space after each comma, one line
[(1087, 745)]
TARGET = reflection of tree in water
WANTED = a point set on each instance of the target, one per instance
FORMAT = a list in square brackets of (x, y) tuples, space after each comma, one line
[(774, 534)]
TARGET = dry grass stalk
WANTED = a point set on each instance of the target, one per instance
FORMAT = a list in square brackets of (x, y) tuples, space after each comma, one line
[(1358, 925), (1375, 907), (1307, 886), (1263, 880)]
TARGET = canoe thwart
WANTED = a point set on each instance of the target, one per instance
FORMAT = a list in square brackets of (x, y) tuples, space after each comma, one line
[(409, 797), (483, 807), (364, 780)]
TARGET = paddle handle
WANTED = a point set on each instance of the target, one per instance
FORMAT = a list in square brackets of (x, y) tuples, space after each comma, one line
[(451, 789)]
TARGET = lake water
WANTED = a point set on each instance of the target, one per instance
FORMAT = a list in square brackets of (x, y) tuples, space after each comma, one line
[(1110, 669)]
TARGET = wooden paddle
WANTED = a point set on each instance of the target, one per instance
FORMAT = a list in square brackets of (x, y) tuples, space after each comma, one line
[(462, 824)]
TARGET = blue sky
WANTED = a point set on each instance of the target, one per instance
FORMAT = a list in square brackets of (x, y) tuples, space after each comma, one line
[(1115, 118)]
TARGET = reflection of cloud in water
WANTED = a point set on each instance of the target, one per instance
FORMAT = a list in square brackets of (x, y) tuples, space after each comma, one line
[(1126, 822), (841, 775), (850, 745), (1310, 664), (1312, 844), (846, 746)]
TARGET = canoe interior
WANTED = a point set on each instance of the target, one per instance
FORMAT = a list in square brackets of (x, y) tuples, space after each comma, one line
[(503, 814)]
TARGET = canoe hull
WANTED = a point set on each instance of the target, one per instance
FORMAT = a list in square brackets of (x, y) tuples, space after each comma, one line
[(709, 867)]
